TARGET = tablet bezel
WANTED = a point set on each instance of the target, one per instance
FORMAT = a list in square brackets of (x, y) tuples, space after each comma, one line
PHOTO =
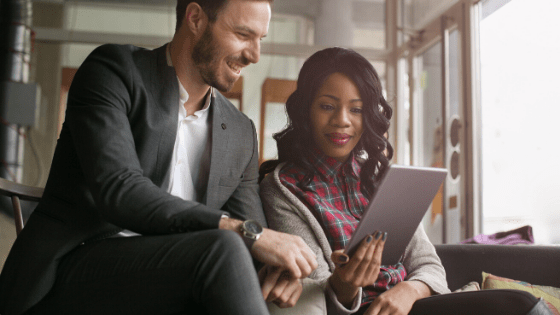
[(409, 188)]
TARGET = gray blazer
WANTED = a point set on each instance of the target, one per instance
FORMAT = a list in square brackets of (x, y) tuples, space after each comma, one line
[(111, 167)]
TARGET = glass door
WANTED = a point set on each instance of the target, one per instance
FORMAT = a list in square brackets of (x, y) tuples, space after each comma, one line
[(437, 123)]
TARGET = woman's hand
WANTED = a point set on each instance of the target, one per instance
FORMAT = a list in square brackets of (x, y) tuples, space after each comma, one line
[(399, 299), (360, 270), (279, 287)]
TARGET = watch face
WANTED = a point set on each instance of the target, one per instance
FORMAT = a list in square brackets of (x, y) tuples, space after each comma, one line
[(253, 227)]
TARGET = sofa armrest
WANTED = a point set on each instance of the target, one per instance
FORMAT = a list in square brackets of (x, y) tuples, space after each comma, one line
[(531, 263)]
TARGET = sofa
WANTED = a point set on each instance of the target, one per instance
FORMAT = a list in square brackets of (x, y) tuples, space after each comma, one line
[(535, 264), (464, 263)]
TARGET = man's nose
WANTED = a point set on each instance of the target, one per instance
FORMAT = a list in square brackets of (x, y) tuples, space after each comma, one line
[(253, 52)]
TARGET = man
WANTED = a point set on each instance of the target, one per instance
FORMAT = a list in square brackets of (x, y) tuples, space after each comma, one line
[(152, 180)]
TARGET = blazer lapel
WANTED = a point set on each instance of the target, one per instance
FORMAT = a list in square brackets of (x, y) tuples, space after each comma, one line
[(165, 92), (220, 137)]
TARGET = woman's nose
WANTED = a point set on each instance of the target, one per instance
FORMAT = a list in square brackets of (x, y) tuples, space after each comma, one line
[(341, 118)]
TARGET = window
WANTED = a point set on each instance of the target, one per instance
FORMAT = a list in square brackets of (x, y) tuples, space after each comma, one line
[(519, 101)]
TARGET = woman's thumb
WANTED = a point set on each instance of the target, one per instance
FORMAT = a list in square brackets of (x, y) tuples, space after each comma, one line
[(339, 257)]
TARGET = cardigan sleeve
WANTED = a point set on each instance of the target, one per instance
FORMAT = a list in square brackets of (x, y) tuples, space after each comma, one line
[(283, 215), (423, 264)]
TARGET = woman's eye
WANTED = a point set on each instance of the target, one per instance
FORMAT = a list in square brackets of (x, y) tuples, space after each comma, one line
[(356, 110), (326, 106)]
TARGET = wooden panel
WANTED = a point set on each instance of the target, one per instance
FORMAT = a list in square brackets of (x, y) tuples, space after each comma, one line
[(67, 77), (273, 91)]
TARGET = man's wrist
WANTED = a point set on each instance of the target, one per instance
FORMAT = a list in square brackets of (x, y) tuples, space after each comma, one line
[(227, 223), (251, 231)]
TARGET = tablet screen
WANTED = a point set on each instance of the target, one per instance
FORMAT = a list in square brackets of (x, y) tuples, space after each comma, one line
[(397, 207)]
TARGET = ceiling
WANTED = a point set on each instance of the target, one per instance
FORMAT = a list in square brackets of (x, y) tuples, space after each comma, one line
[(366, 13)]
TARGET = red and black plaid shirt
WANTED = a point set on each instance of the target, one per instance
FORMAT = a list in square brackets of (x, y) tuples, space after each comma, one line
[(335, 198)]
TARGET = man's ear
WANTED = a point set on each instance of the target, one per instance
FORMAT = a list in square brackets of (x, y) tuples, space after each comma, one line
[(195, 19)]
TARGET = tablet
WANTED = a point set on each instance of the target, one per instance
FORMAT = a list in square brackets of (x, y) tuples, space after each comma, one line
[(397, 207)]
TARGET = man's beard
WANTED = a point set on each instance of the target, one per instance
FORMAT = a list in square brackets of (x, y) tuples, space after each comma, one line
[(204, 57)]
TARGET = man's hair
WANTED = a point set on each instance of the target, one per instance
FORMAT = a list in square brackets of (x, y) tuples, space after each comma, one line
[(211, 7)]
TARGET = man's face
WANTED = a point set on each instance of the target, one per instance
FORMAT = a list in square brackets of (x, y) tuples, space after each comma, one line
[(231, 42)]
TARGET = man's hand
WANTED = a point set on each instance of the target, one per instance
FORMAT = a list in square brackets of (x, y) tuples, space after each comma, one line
[(279, 287), (286, 251), (399, 299), (289, 252)]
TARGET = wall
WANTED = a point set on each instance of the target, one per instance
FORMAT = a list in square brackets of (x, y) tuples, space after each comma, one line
[(39, 147)]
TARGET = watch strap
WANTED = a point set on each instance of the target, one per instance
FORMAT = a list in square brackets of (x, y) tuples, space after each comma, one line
[(249, 242)]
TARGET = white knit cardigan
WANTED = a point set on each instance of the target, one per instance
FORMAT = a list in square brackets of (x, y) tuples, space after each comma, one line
[(286, 213)]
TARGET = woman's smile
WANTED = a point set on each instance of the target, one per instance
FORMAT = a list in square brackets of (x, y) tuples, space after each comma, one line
[(338, 138)]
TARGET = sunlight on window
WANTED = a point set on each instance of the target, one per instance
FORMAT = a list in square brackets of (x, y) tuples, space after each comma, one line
[(521, 118)]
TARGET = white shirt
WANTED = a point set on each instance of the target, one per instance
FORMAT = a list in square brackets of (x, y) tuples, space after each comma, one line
[(190, 162)]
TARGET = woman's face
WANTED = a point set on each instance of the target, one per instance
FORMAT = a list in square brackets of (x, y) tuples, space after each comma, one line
[(336, 116)]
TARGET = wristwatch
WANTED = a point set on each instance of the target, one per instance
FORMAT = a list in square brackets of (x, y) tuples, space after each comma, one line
[(251, 230)]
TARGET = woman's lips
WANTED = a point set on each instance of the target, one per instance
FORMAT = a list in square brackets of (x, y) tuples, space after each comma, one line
[(339, 138)]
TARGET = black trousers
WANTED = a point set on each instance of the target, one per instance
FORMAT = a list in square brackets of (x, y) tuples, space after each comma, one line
[(207, 272)]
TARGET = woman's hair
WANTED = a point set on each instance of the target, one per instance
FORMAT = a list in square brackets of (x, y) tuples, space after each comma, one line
[(296, 140)]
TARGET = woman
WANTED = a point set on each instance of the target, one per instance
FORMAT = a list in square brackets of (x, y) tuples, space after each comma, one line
[(331, 156)]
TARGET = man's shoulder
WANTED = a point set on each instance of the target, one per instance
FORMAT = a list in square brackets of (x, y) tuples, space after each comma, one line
[(229, 110), (123, 55), (125, 63), (119, 50)]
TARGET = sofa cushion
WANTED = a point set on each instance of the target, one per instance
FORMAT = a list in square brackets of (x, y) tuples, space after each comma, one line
[(471, 286), (551, 295)]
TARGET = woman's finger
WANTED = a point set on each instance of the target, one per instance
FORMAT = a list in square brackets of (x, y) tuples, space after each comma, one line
[(374, 308), (278, 292), (262, 274), (379, 247), (295, 294), (356, 259), (290, 294), (270, 280), (372, 273), (294, 289), (361, 273)]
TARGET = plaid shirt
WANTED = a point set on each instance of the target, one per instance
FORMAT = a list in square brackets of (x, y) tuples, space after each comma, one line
[(335, 198)]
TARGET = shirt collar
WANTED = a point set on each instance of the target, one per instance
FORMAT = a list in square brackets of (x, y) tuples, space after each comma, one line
[(329, 167), (184, 96)]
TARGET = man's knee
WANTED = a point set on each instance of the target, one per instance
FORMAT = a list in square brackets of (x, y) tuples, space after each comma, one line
[(229, 243)]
